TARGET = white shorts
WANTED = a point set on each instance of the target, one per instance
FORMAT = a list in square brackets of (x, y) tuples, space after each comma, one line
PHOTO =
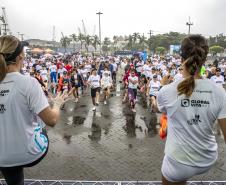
[(174, 171)]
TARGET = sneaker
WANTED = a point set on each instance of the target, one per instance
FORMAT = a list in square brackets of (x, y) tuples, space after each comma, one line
[(76, 100), (105, 102), (94, 109), (97, 103), (133, 110)]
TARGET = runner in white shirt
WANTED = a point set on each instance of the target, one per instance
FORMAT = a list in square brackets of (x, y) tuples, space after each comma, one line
[(132, 89), (44, 73), (178, 76), (152, 91), (94, 83), (218, 78), (61, 71), (106, 83), (192, 107), (22, 104)]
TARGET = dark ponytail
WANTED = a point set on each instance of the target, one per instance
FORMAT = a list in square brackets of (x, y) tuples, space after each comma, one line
[(194, 50), (3, 68)]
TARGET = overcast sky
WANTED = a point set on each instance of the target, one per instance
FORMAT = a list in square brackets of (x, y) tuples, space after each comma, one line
[(36, 18)]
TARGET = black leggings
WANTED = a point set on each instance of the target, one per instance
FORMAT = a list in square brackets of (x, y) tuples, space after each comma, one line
[(15, 175)]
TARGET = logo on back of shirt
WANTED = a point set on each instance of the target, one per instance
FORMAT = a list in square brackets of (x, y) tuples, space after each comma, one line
[(185, 103), (2, 108), (194, 103), (4, 92), (194, 121)]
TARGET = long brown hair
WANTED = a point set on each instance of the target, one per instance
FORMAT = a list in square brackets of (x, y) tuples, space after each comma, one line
[(8, 45), (194, 50)]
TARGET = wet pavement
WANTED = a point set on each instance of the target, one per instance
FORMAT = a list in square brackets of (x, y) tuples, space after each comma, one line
[(112, 143)]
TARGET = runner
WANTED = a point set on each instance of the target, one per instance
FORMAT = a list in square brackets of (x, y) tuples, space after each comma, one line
[(218, 78), (152, 91), (106, 83), (132, 89), (192, 107), (63, 87), (76, 81), (94, 83)]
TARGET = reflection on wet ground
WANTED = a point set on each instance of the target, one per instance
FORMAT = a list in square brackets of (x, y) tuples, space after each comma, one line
[(78, 119)]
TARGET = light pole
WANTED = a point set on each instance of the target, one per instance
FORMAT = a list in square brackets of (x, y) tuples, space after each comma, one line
[(189, 24), (99, 13)]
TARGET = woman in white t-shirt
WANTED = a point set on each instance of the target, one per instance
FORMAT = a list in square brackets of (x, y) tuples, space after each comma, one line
[(192, 107), (106, 84), (152, 91), (132, 89), (22, 103), (94, 83)]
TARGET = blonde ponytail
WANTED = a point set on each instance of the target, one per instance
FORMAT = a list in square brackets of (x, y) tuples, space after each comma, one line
[(8, 45)]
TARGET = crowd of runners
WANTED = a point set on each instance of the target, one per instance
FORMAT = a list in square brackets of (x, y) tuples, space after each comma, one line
[(177, 86), (73, 75)]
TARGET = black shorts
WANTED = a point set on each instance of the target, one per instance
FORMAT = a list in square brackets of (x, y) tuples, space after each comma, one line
[(94, 91), (76, 85), (152, 96)]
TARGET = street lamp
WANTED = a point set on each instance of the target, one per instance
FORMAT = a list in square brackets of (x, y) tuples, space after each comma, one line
[(99, 13)]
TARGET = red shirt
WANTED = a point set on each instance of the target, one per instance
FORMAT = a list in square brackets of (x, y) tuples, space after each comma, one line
[(68, 67), (59, 64)]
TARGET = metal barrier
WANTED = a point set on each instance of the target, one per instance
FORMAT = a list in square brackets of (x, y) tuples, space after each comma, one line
[(67, 182)]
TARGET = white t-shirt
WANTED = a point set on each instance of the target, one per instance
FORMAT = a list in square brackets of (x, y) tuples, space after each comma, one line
[(53, 68), (21, 100), (154, 87), (139, 66), (44, 74), (61, 71), (94, 81), (106, 81), (88, 67), (106, 72), (131, 85), (83, 73), (190, 136), (218, 79), (114, 67), (178, 77)]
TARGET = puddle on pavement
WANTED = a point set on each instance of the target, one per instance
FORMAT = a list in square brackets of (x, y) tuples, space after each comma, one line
[(95, 133), (151, 124), (75, 120), (78, 120), (67, 138)]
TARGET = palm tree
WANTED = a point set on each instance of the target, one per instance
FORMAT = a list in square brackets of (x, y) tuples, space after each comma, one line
[(74, 39), (142, 41), (115, 41), (135, 37), (81, 39), (95, 42), (65, 42), (88, 41), (106, 44), (129, 45)]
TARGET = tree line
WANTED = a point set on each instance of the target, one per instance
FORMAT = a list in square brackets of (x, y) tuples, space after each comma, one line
[(136, 42)]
